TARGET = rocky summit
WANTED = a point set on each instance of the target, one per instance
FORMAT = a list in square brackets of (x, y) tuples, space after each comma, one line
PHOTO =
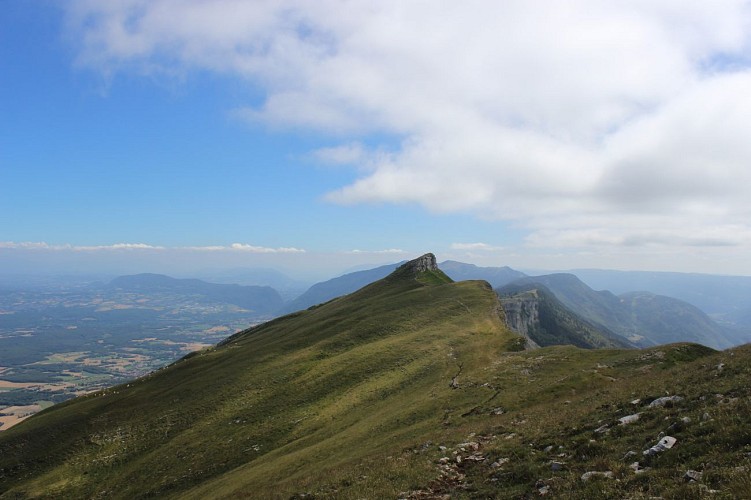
[(421, 264)]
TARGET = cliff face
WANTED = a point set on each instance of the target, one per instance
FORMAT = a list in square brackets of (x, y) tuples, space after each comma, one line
[(535, 313), (523, 314), (421, 264)]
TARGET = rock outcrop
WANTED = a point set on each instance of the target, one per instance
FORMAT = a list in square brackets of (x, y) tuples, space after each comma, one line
[(534, 312), (522, 311), (523, 314), (421, 264)]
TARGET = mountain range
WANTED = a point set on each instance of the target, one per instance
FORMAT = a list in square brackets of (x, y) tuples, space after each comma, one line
[(410, 387), (724, 298), (636, 318), (642, 318), (258, 299), (534, 312)]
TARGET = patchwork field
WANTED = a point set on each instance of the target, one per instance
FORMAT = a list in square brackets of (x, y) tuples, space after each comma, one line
[(57, 344)]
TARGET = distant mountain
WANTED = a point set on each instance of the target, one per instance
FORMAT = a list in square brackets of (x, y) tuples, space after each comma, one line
[(672, 320), (534, 312), (259, 299), (286, 286), (496, 276), (727, 299), (643, 318), (336, 287)]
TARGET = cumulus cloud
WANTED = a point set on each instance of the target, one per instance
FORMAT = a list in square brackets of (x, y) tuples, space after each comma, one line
[(586, 122)]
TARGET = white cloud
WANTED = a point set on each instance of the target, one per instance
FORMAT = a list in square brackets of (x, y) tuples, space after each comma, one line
[(396, 251), (235, 247), (475, 247), (29, 245), (586, 122), (242, 247), (345, 154)]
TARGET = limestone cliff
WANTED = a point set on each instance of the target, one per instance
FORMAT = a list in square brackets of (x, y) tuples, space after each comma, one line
[(522, 313), (533, 312)]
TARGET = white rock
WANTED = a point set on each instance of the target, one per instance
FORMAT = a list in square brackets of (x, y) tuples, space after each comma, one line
[(629, 419), (664, 400), (592, 474), (665, 443)]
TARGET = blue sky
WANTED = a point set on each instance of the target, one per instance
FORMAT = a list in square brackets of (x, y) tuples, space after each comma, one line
[(352, 134)]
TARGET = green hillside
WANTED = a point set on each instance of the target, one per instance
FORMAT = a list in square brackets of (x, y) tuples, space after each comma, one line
[(411, 387), (312, 388)]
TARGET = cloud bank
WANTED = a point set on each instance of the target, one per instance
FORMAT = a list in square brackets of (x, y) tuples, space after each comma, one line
[(234, 247), (588, 123)]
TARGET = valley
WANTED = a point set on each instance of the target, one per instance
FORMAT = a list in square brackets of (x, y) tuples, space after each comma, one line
[(58, 344)]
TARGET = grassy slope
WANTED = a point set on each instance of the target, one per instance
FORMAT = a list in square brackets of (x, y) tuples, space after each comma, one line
[(353, 398), (299, 395)]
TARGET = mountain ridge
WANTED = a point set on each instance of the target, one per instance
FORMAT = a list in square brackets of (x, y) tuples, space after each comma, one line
[(634, 320), (410, 387), (261, 299)]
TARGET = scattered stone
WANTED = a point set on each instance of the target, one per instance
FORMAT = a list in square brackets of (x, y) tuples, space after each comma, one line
[(637, 468), (629, 419), (706, 489), (692, 475), (636, 402), (444, 460), (665, 443), (593, 474), (548, 449), (629, 454), (556, 466), (476, 457), (706, 417), (499, 463), (686, 420), (543, 490), (497, 411), (472, 445), (602, 429), (720, 367), (659, 402), (442, 448)]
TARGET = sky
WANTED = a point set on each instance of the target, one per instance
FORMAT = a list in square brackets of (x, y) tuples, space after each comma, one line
[(313, 137)]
